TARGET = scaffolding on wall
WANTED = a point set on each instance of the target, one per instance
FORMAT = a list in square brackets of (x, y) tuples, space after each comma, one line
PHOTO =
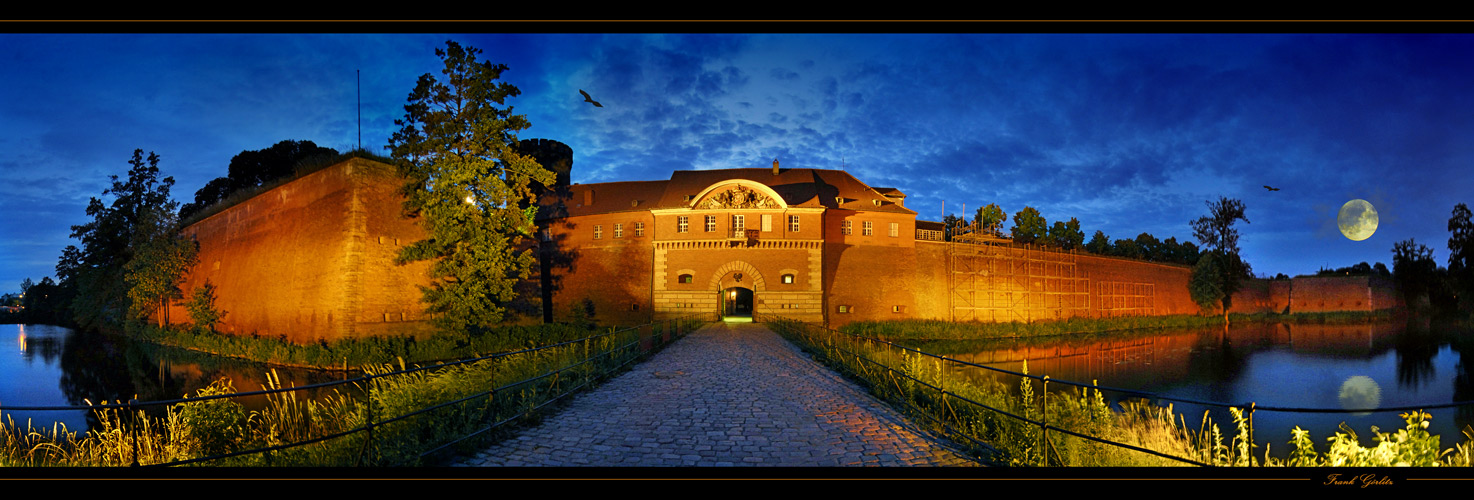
[(1119, 298), (993, 282)]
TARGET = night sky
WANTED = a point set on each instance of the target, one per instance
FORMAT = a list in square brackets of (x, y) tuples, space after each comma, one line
[(1129, 133)]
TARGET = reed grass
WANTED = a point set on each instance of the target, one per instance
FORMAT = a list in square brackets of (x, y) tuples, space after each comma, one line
[(972, 413), (396, 416)]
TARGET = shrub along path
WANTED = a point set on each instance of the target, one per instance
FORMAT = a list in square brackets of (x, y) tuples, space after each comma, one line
[(730, 394)]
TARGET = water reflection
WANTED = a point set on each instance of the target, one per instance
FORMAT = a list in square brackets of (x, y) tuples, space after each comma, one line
[(61, 367), (1357, 367)]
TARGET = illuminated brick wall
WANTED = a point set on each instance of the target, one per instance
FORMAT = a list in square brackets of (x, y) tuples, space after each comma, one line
[(313, 259)]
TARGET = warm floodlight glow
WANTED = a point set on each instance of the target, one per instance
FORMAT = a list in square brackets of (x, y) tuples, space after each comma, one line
[(470, 200)]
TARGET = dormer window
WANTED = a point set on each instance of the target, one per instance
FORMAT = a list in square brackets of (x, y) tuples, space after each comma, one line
[(876, 202)]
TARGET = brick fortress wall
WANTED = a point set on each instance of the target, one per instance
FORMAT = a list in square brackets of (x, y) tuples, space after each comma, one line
[(313, 259)]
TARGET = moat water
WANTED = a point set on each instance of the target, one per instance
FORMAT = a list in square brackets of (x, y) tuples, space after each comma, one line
[(1364, 367), (44, 365)]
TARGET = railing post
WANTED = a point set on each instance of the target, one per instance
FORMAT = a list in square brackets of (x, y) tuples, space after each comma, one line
[(133, 417), (1044, 423)]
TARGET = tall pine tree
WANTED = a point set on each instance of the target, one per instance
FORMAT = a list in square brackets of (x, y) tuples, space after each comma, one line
[(468, 185)]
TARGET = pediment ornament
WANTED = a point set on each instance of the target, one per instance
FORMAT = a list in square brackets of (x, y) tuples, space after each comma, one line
[(739, 197)]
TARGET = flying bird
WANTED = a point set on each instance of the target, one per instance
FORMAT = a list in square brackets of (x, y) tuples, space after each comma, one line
[(1271, 189), (590, 100)]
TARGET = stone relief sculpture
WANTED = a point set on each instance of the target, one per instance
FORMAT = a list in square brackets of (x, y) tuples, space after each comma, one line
[(739, 197)]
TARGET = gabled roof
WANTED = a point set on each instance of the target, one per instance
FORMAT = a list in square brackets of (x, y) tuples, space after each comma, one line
[(799, 187)]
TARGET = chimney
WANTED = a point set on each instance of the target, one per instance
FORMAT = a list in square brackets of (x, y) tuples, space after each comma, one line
[(775, 166)]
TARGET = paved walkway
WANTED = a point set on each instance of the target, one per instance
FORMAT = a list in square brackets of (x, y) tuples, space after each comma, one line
[(730, 394)]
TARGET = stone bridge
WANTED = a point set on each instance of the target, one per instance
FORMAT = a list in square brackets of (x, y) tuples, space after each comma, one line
[(727, 395)]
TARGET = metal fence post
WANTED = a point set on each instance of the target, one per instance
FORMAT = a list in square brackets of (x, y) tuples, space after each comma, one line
[(1251, 433), (1044, 422), (133, 417)]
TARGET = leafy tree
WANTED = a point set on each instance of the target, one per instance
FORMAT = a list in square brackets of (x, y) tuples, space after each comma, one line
[(97, 269), (1461, 254), (1216, 232), (990, 219), (160, 259), (1414, 269), (202, 309), (1204, 285), (1029, 226), (951, 223), (457, 147), (1127, 248), (1067, 235), (1100, 244), (249, 169), (1151, 248)]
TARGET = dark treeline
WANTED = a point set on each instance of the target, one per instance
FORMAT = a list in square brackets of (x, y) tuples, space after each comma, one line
[(1030, 227)]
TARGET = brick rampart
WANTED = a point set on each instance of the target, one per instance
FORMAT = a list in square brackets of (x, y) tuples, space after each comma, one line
[(313, 259)]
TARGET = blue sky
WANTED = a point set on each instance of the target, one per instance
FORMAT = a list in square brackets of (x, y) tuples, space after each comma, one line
[(1129, 133)]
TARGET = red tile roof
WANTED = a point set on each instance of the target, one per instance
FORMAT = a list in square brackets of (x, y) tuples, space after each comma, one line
[(799, 187)]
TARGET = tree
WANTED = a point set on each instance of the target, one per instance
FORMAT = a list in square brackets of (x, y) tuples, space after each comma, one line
[(990, 219), (457, 147), (1414, 269), (1203, 285), (1100, 244), (950, 224), (1461, 254), (1127, 248), (1029, 226), (160, 259), (1151, 248), (1067, 235), (249, 169), (1216, 232), (96, 270)]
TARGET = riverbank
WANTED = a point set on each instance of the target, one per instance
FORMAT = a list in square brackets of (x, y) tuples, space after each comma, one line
[(922, 329)]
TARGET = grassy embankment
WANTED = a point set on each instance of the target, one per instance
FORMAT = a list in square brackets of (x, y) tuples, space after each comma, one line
[(911, 381), (459, 394)]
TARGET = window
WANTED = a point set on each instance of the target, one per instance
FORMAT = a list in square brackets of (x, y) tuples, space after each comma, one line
[(618, 230), (711, 223), (793, 223), (684, 278), (898, 309), (788, 279), (895, 229), (846, 227), (640, 229), (868, 227), (598, 231), (846, 309), (767, 222), (738, 224), (682, 223)]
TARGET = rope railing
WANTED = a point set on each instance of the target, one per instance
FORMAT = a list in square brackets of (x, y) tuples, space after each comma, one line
[(581, 363), (851, 352)]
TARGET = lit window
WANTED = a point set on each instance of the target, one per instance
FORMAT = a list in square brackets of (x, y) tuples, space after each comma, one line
[(845, 309), (787, 279), (682, 223), (767, 222), (640, 229), (738, 224), (598, 231), (618, 230), (895, 229), (711, 223), (898, 309), (846, 227), (684, 278), (793, 223), (868, 231)]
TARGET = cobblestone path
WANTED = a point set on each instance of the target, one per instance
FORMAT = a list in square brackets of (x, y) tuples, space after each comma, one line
[(729, 394)]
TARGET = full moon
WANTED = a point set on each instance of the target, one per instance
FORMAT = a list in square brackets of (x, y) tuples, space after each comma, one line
[(1358, 220)]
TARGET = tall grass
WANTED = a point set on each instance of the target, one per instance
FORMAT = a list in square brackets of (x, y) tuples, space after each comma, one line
[(1003, 424), (395, 416)]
